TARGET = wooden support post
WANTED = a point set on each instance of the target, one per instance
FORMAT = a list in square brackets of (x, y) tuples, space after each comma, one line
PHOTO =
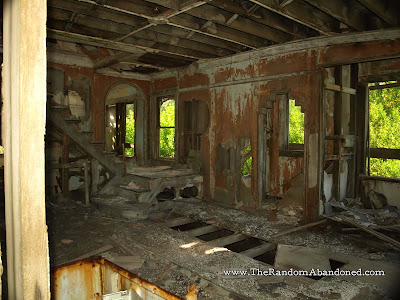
[(94, 164), (85, 167), (261, 156), (65, 160), (24, 119)]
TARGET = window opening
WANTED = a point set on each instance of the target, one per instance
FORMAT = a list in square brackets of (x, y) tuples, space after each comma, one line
[(296, 123), (384, 129), (130, 130), (246, 161), (166, 127)]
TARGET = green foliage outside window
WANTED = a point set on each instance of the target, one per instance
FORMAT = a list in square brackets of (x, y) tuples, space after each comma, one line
[(167, 135), (130, 129), (247, 162), (384, 114), (296, 123)]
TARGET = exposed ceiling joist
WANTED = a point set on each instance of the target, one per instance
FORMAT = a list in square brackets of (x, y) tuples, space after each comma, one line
[(346, 12), (208, 12), (386, 10), (111, 30), (163, 18), (112, 60), (267, 17), (104, 43), (307, 16), (178, 23)]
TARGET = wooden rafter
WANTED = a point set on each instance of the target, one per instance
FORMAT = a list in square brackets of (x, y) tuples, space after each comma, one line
[(305, 15)]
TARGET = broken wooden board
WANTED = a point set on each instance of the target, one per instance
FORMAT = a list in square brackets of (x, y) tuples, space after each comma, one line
[(370, 231), (388, 281), (92, 253), (298, 228), (130, 262), (301, 258)]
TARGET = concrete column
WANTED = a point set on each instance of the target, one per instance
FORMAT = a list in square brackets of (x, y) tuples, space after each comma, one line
[(24, 119)]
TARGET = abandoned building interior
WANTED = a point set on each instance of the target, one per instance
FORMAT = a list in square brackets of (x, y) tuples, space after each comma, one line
[(161, 149)]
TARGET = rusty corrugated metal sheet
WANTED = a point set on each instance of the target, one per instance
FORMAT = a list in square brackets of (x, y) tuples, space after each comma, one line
[(93, 277)]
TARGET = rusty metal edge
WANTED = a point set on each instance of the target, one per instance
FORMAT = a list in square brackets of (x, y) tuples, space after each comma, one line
[(124, 273)]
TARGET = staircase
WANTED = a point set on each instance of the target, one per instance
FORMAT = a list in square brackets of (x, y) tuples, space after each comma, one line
[(61, 123)]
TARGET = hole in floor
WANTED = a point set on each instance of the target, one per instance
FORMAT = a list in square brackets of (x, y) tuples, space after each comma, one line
[(268, 257), (215, 235), (189, 226), (244, 245)]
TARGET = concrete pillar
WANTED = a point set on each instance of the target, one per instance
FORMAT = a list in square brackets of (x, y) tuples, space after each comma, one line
[(24, 119)]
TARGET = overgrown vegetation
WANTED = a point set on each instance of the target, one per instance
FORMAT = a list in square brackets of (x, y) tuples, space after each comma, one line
[(130, 129), (167, 135), (247, 170), (385, 128), (296, 123)]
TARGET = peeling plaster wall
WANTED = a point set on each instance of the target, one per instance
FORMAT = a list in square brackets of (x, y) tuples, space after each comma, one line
[(100, 84), (390, 189), (234, 106)]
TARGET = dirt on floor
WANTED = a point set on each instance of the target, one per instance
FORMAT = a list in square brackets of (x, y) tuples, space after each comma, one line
[(173, 260)]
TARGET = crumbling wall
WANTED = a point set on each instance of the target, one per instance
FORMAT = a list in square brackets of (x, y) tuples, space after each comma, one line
[(239, 88)]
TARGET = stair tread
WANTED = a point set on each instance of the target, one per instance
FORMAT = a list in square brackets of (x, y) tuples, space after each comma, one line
[(58, 107), (136, 190)]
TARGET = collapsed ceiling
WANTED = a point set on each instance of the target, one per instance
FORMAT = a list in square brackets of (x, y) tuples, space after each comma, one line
[(149, 36)]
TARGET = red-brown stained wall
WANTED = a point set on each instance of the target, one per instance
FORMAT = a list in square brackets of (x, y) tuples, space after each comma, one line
[(235, 106), (100, 86)]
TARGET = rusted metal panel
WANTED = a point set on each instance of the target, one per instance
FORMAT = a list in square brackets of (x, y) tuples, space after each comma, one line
[(94, 277), (81, 280)]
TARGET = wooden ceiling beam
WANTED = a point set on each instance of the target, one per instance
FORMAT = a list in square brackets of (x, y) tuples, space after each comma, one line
[(225, 34), (229, 47), (384, 9), (303, 14), (147, 39), (268, 18), (112, 60), (98, 11), (105, 43), (107, 14), (208, 12), (346, 12)]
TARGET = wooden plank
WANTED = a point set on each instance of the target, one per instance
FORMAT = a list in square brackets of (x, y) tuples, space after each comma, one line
[(303, 14), (301, 258), (156, 188), (298, 228), (216, 15), (368, 230), (178, 221), (384, 86), (343, 156), (386, 10), (259, 250), (82, 141), (268, 18), (385, 153), (91, 253), (338, 88), (346, 11), (23, 134), (230, 239), (108, 44), (187, 23), (291, 153), (202, 230)]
